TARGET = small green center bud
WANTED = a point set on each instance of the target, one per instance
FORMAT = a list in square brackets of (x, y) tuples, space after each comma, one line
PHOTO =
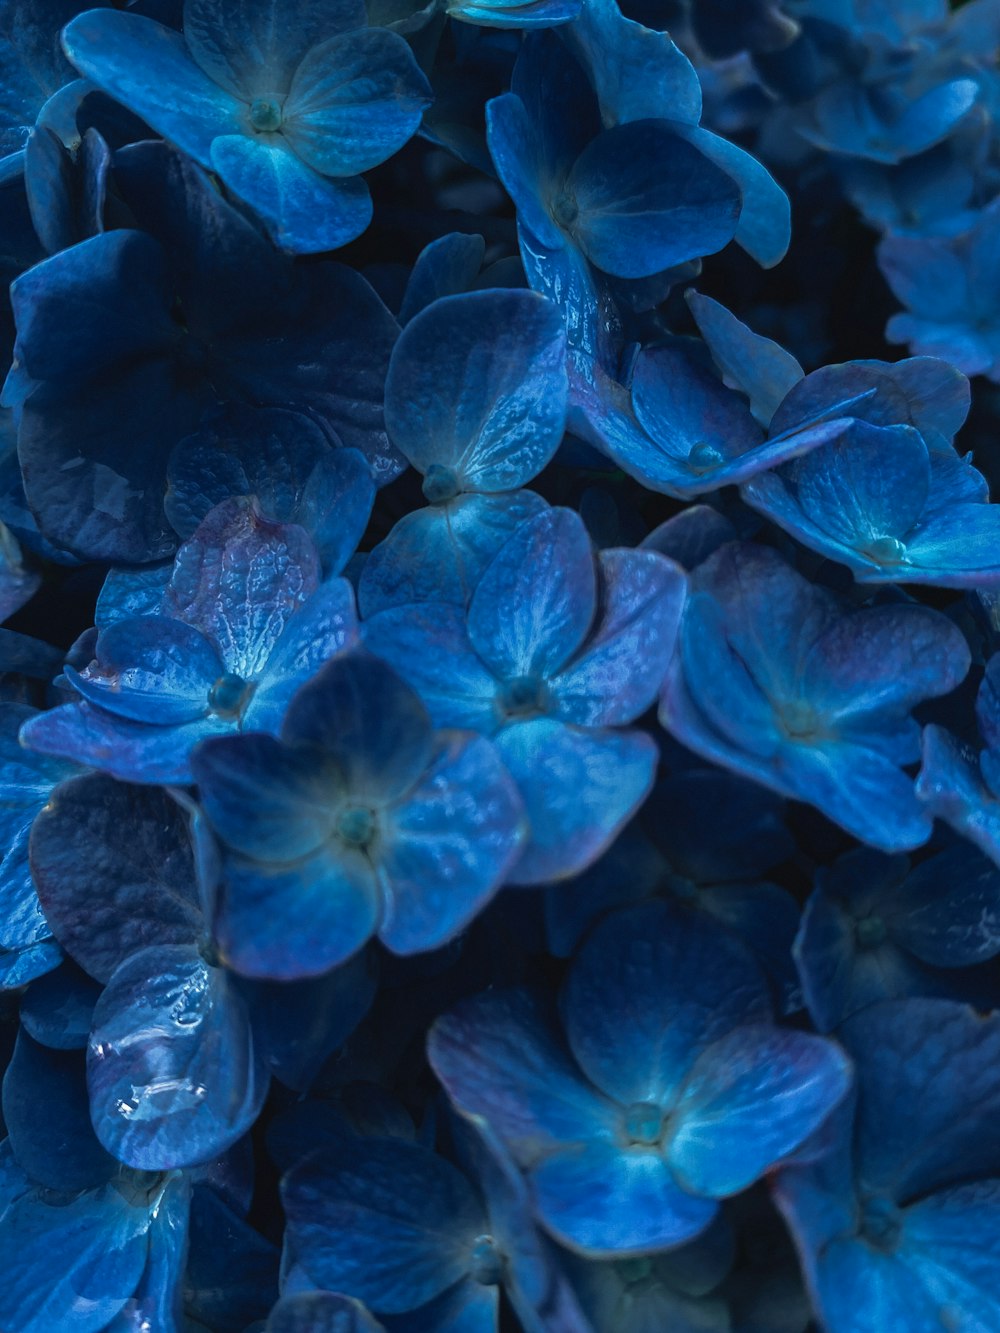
[(265, 115)]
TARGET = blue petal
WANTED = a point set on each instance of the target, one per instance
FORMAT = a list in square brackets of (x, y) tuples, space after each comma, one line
[(620, 669), (754, 365), (501, 1058), (239, 580), (537, 598), (57, 1009), (303, 211), (608, 1200), (751, 1098), (354, 101), (252, 47), (326, 625), (390, 1223), (440, 553), (320, 1312), (946, 911), (155, 1299), (173, 1075), (445, 267), (429, 647), (515, 13), (144, 893), (372, 725), (448, 845), (956, 547), (952, 788), (148, 68), (72, 1265), (266, 800), (633, 222), (651, 988), (949, 1241), (48, 1119), (281, 922), (150, 669), (132, 592), (579, 787), (517, 157), (477, 386)]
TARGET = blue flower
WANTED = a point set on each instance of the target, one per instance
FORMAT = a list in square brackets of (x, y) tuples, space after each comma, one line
[(547, 661), (897, 1223), (877, 928), (671, 1088), (320, 1312), (961, 786), (949, 286), (476, 402), (287, 106), (361, 820), (242, 623), (773, 680), (178, 331), (890, 498)]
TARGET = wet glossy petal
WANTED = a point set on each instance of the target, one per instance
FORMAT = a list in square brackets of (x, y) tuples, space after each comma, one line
[(109, 896), (951, 787), (477, 387), (579, 787), (448, 846), (173, 1075)]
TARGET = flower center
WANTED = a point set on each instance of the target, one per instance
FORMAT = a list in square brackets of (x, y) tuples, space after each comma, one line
[(356, 825), (486, 1264), (229, 694), (440, 484), (881, 1222), (887, 551), (265, 114), (644, 1124), (524, 696), (870, 932), (798, 719), (565, 209)]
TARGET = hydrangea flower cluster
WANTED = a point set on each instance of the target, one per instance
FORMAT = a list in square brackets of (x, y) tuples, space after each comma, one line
[(500, 666)]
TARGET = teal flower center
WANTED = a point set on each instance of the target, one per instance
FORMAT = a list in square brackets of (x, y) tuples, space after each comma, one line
[(704, 456), (881, 1222), (798, 719), (887, 551), (644, 1124), (871, 932), (229, 694), (565, 209), (356, 825), (265, 115), (524, 696), (440, 484), (486, 1263)]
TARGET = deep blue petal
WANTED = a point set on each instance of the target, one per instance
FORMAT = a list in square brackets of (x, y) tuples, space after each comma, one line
[(320, 1312)]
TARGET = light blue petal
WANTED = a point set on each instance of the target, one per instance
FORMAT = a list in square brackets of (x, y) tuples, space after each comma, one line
[(755, 365), (354, 101), (477, 387), (516, 154), (149, 69), (579, 786), (447, 848), (173, 1075), (303, 211), (751, 1098), (445, 267)]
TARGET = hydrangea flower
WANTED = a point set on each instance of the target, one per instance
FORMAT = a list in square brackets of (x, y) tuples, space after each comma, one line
[(667, 1089), (877, 928), (243, 622), (476, 402), (360, 820), (899, 1229), (544, 663), (286, 104), (772, 679)]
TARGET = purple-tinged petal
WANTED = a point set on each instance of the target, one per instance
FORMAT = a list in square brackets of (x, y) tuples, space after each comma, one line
[(114, 867), (620, 669), (448, 846)]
